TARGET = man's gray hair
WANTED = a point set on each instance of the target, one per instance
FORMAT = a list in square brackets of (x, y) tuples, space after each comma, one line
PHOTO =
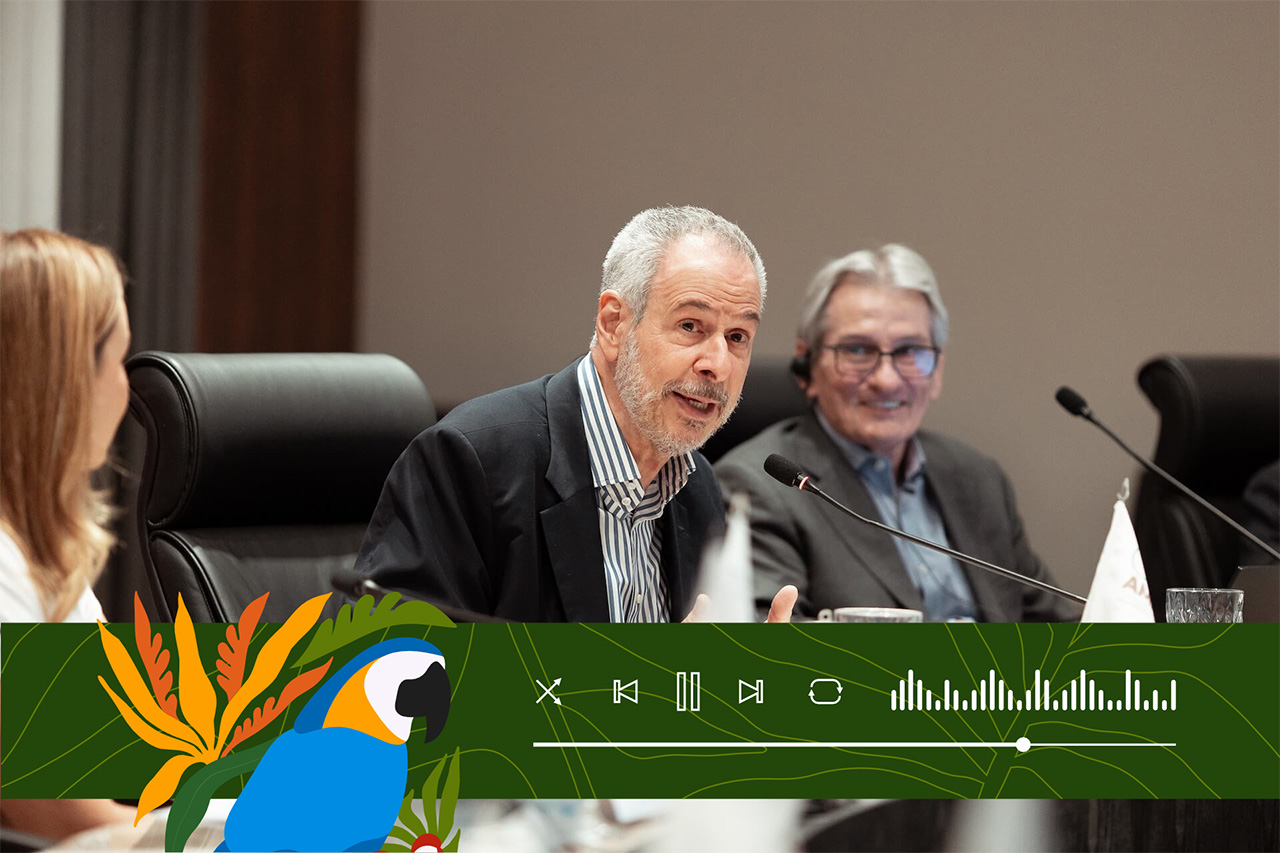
[(638, 250), (891, 265)]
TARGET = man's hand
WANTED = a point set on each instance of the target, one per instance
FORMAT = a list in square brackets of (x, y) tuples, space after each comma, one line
[(779, 611), (783, 603), (699, 611)]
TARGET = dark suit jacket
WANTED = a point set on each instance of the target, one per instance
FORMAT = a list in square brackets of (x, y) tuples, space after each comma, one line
[(835, 561), (1262, 515), (493, 510)]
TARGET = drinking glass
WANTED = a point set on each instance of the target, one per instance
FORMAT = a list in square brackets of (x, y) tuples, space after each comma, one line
[(1184, 604), (870, 614)]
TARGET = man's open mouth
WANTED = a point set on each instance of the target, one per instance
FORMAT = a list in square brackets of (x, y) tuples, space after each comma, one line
[(697, 404)]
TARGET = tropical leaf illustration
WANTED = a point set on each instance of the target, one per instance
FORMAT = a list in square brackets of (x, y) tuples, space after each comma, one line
[(143, 728), (269, 662), (353, 623), (449, 802), (196, 698), (272, 707), (164, 783), (155, 659), (408, 826), (233, 654), (144, 717), (434, 830), (192, 800), (429, 792), (199, 734)]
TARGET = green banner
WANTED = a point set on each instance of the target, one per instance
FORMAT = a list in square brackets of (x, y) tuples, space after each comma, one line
[(805, 710)]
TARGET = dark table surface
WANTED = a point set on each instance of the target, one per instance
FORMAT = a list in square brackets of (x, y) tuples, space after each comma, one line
[(1085, 825)]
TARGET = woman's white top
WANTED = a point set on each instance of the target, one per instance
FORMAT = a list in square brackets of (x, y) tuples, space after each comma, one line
[(19, 600)]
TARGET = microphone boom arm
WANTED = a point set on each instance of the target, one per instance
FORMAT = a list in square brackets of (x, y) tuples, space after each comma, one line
[(1169, 478), (806, 485)]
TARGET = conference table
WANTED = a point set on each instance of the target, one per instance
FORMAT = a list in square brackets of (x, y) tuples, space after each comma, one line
[(511, 826)]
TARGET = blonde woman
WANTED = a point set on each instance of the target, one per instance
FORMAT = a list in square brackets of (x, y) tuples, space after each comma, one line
[(64, 334)]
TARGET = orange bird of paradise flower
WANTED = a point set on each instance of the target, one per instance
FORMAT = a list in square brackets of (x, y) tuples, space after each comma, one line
[(189, 723)]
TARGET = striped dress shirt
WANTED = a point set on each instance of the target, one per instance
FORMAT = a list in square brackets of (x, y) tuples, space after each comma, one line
[(630, 536)]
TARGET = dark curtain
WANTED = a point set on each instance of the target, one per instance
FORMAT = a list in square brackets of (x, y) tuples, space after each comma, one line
[(130, 180)]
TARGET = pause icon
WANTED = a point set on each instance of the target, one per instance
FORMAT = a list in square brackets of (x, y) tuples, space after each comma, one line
[(688, 691)]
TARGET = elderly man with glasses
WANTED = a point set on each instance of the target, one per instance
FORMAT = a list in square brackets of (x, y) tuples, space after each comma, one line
[(870, 358)]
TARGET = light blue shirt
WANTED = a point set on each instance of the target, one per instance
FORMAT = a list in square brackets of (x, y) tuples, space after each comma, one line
[(630, 535), (909, 506)]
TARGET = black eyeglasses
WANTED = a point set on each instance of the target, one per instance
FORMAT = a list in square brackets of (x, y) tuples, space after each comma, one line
[(913, 361)]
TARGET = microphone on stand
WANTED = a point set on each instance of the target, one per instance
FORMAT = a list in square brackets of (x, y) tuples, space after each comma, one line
[(1070, 400), (351, 583), (790, 474)]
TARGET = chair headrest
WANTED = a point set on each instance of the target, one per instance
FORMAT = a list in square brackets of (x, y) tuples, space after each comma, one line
[(770, 394), (271, 438), (1219, 417)]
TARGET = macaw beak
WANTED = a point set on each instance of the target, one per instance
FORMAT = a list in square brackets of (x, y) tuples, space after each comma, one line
[(426, 696)]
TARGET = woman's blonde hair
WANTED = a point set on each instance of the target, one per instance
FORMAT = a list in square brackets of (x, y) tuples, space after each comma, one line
[(59, 301)]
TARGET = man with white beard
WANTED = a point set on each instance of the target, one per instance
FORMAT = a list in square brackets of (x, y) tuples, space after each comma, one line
[(581, 496)]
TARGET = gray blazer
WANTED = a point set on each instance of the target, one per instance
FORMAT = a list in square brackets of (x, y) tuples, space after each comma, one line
[(835, 561)]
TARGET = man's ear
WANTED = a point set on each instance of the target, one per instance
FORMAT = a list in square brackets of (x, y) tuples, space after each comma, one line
[(936, 380), (802, 367), (612, 317)]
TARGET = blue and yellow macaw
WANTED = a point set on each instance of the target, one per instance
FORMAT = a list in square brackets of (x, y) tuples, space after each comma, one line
[(335, 781)]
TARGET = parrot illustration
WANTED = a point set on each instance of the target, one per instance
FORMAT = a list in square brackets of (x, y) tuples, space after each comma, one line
[(335, 781)]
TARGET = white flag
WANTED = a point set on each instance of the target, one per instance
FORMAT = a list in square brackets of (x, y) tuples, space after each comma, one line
[(726, 569), (1119, 592)]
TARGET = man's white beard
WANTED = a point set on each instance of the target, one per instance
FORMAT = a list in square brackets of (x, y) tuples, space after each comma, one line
[(644, 403)]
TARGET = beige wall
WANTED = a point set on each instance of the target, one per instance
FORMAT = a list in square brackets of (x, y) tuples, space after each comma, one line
[(1094, 184), (30, 112)]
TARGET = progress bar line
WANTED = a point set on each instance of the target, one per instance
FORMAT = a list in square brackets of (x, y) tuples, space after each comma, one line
[(1104, 744), (738, 744)]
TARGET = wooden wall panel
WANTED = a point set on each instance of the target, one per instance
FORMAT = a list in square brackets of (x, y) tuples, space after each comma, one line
[(278, 183)]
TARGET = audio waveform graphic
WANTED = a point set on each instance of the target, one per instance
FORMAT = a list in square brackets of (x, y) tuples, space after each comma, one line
[(1080, 694)]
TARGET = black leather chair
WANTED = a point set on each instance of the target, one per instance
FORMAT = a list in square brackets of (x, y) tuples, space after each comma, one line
[(769, 395), (262, 470), (1219, 423)]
